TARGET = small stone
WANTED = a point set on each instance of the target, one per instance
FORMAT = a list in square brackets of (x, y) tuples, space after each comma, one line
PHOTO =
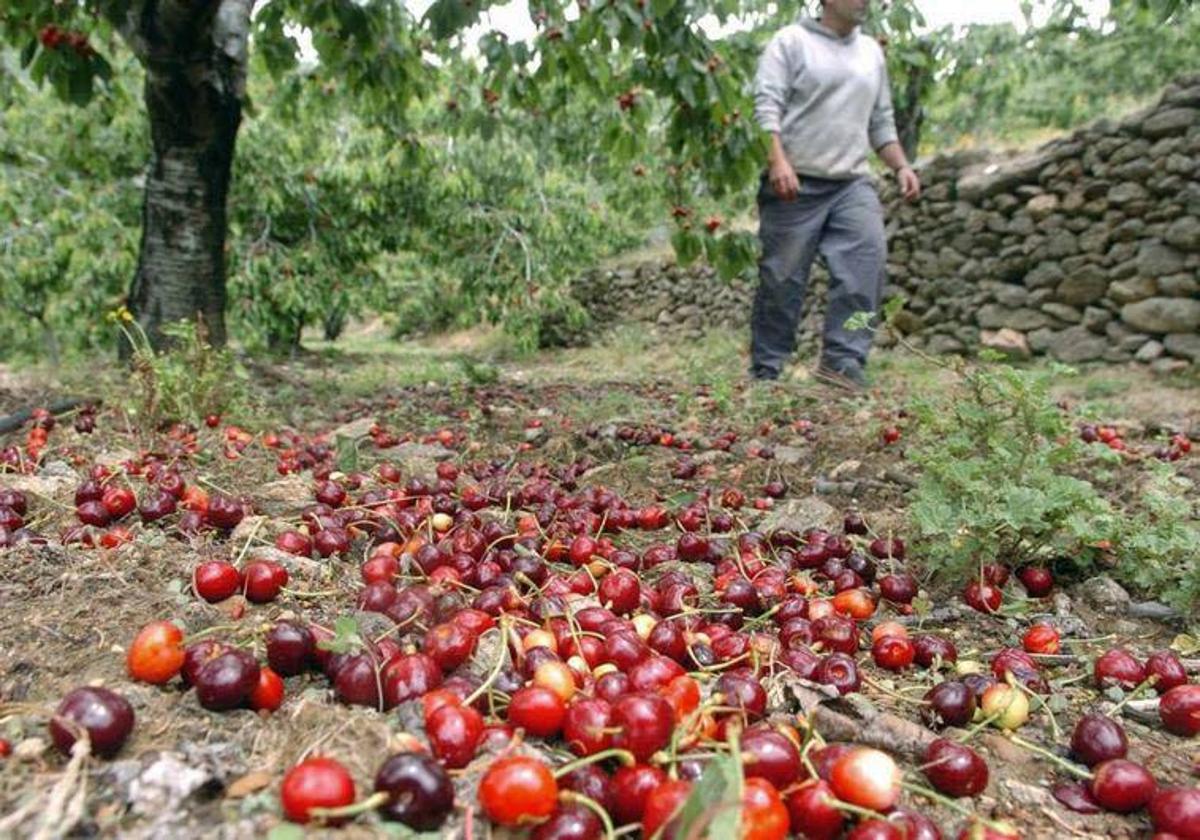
[(1157, 260), (1168, 366), (1163, 315), (1041, 206), (1149, 351), (1179, 285), (1184, 233), (1133, 289), (993, 316), (1094, 318), (1086, 285), (1104, 594), (942, 345), (1077, 344), (1062, 312), (1011, 343), (1127, 192), (1185, 345), (1170, 121), (800, 514)]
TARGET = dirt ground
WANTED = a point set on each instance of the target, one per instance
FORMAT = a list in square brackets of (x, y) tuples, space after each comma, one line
[(68, 613)]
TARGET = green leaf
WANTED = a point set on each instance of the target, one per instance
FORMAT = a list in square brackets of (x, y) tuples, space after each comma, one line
[(286, 831), (347, 454), (346, 637), (688, 246), (859, 321), (714, 807)]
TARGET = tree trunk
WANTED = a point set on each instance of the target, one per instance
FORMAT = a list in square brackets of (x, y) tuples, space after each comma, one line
[(194, 53)]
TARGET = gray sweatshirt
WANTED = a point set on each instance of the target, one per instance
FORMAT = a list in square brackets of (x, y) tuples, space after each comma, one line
[(827, 97)]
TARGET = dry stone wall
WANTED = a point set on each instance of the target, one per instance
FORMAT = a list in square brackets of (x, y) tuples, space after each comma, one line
[(1087, 249)]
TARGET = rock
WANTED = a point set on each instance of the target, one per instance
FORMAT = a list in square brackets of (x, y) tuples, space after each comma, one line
[(285, 495), (1086, 285), (1041, 340), (1008, 294), (1062, 312), (163, 787), (1011, 343), (1184, 233), (1127, 192), (800, 514), (1094, 318), (941, 345), (1157, 260), (355, 429), (1170, 121), (1041, 206), (1077, 344), (992, 316), (1185, 345), (1133, 289), (1103, 594), (790, 455), (1163, 315), (1179, 285), (1046, 274), (1149, 351), (1168, 366)]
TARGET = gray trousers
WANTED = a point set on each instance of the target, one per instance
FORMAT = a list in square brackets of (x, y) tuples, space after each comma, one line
[(843, 221)]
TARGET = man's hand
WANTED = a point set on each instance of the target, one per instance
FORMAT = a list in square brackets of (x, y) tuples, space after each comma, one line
[(783, 180), (910, 184)]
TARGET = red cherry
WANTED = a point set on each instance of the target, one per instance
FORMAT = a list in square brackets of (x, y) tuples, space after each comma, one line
[(983, 597), (645, 722), (1098, 738), (1118, 667), (267, 695), (893, 653), (813, 813), (1122, 786), (1179, 709), (631, 788), (315, 783), (955, 769), (537, 710), (216, 580), (263, 581), (770, 755), (1038, 582), (517, 790), (764, 816), (106, 716), (1177, 811), (1168, 670), (1041, 638), (866, 777), (930, 649), (586, 727), (662, 805), (454, 733)]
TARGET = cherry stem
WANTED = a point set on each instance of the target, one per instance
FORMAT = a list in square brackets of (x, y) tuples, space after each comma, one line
[(857, 810), (1068, 766), (593, 806), (928, 793), (1149, 681), (624, 756), (495, 674), (353, 810)]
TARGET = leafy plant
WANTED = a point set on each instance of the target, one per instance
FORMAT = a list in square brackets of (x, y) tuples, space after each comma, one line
[(1004, 478), (187, 380)]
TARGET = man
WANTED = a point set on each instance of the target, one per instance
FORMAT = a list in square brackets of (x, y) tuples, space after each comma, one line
[(822, 93)]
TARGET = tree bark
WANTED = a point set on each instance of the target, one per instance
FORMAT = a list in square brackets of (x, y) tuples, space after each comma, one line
[(194, 53)]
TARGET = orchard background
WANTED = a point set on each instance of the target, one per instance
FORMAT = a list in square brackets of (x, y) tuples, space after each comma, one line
[(310, 448)]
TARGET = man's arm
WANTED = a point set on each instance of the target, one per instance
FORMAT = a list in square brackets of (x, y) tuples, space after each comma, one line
[(771, 83), (893, 155)]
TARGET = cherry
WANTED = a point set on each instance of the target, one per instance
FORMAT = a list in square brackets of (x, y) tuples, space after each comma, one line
[(1176, 811), (1122, 786), (952, 703), (914, 826), (662, 806), (294, 542), (118, 501), (839, 671), (764, 816), (263, 581), (1098, 738), (852, 523), (770, 755), (652, 673), (983, 597), (883, 548), (1007, 706), (837, 633), (1179, 709), (93, 513), (223, 512), (315, 783), (1038, 582), (743, 691), (267, 695), (156, 654), (106, 716), (586, 726), (899, 589), (1118, 667), (357, 680), (517, 790), (893, 653), (620, 591), (1041, 638), (158, 506), (569, 822), (1166, 666), (645, 722), (226, 681), (454, 733), (16, 500), (813, 813), (330, 493), (408, 677), (1021, 666), (866, 777), (537, 710), (331, 541), (216, 580), (631, 788), (449, 645), (196, 656), (929, 649), (876, 829), (955, 769), (290, 648)]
